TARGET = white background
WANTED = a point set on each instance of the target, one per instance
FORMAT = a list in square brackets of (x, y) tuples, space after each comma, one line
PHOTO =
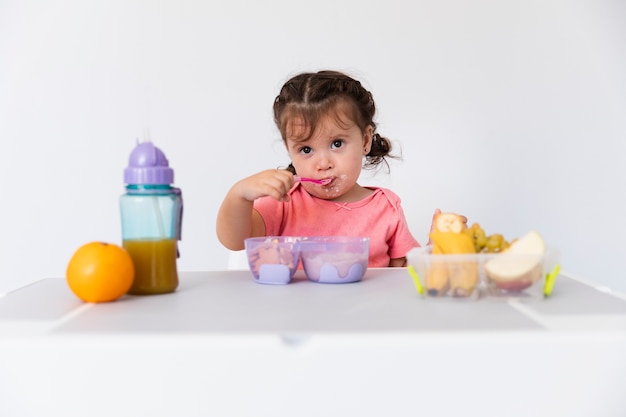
[(510, 112)]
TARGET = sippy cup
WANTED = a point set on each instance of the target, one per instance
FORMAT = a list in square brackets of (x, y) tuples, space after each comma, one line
[(151, 211)]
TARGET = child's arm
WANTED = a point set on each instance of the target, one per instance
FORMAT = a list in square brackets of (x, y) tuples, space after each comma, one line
[(236, 219)]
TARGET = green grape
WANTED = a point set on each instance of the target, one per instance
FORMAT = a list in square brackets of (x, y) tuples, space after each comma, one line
[(494, 243), (478, 236), (480, 239)]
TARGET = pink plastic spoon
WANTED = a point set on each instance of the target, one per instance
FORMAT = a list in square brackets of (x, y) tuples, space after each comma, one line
[(325, 181)]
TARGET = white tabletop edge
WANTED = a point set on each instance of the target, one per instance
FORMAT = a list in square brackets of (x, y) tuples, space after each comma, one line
[(318, 339)]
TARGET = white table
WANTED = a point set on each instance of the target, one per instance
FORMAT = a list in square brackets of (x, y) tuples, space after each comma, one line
[(222, 345)]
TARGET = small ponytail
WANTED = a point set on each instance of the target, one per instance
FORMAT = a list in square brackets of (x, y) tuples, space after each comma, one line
[(381, 148)]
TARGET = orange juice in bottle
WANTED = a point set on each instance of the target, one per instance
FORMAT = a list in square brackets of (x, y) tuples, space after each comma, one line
[(151, 211), (155, 265)]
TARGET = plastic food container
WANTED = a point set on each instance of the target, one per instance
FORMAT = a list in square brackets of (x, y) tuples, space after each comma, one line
[(273, 259), (473, 276), (335, 259)]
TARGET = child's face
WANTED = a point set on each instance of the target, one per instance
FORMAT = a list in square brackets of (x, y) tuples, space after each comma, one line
[(335, 150)]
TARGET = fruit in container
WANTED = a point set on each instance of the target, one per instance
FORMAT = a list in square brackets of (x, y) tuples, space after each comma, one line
[(519, 265), (437, 280), (478, 236), (450, 243), (495, 243), (449, 237), (462, 274), (449, 222)]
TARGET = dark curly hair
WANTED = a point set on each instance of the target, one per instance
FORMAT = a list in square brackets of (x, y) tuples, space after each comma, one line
[(310, 96)]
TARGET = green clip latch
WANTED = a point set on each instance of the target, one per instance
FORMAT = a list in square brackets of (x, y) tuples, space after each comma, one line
[(550, 278), (416, 279)]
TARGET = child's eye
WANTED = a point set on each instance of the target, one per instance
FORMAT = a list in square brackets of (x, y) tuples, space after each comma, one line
[(338, 143), (306, 150)]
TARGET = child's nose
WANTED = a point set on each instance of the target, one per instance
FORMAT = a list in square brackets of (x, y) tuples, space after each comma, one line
[(324, 160)]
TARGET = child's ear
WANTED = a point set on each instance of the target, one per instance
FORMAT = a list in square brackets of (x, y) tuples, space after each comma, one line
[(367, 139)]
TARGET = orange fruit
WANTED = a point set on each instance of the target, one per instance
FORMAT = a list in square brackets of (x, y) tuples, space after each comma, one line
[(100, 272)]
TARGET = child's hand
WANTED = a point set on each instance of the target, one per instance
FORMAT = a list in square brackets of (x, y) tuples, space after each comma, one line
[(274, 183)]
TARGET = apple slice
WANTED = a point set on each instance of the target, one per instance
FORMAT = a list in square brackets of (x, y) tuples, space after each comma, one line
[(519, 265)]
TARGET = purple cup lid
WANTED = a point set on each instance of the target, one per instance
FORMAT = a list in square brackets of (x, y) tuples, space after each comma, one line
[(147, 164)]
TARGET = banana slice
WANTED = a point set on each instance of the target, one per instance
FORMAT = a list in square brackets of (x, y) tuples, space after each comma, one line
[(450, 222)]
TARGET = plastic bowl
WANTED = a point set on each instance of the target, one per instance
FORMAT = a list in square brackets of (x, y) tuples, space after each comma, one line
[(273, 259), (335, 259), (468, 276)]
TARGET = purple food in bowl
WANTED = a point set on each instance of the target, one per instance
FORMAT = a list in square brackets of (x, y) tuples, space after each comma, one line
[(273, 259), (334, 259)]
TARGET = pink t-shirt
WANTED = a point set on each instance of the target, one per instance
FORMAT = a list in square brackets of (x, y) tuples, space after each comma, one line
[(378, 216)]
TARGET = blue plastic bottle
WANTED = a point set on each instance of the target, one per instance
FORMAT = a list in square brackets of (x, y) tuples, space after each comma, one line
[(151, 211)]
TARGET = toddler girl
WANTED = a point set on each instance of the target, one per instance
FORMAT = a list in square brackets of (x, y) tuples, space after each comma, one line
[(326, 122)]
